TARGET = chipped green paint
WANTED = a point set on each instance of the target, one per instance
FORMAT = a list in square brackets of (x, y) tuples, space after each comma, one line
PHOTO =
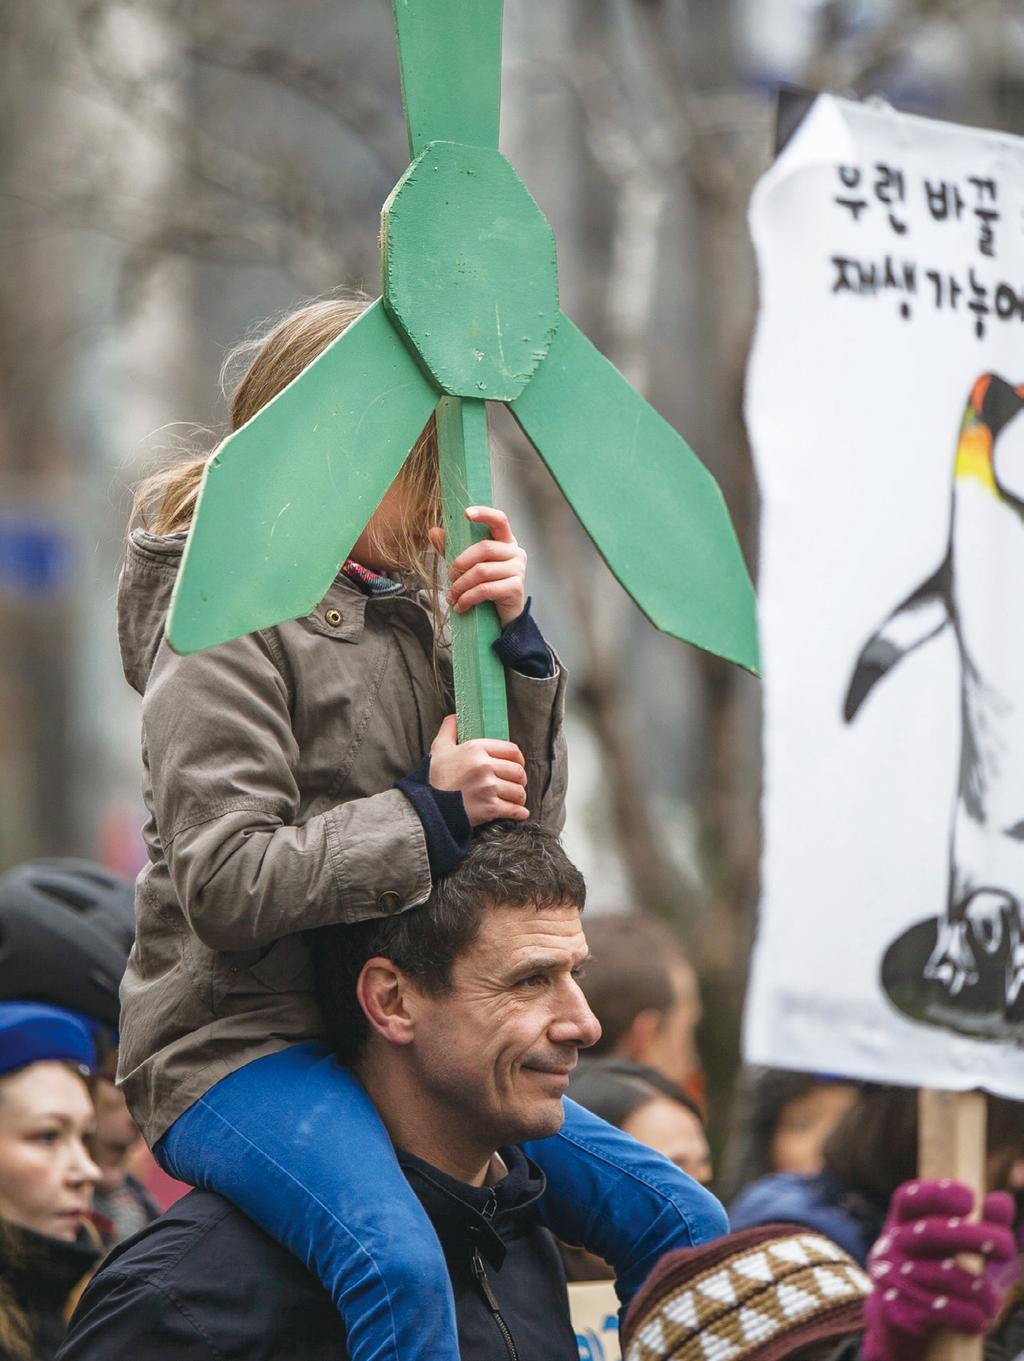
[(466, 481), (468, 264)]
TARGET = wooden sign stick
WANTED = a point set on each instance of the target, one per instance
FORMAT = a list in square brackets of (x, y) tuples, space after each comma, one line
[(951, 1143)]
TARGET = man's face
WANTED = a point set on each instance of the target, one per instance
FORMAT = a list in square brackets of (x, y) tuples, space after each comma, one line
[(673, 1048), (494, 1053), (116, 1135)]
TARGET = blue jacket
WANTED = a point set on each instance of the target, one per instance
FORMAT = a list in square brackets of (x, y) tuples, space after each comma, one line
[(820, 1202)]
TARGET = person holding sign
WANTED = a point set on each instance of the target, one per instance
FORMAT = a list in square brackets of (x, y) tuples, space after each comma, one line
[(870, 1154), (779, 1292), (307, 775)]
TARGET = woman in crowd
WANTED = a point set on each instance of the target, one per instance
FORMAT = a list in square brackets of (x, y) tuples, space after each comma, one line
[(870, 1153), (781, 1123), (644, 1103), (67, 927), (48, 1247)]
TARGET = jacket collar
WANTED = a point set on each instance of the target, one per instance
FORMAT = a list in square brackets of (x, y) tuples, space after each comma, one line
[(43, 1271), (144, 595), (342, 612), (488, 1217)]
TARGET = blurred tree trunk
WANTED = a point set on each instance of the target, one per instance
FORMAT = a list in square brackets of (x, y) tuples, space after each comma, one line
[(36, 808)]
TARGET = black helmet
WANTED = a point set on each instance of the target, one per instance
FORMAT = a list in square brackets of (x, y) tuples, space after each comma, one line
[(66, 929)]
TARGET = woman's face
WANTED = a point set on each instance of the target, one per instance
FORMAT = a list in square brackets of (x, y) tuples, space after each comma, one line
[(46, 1174), (805, 1123), (668, 1127)]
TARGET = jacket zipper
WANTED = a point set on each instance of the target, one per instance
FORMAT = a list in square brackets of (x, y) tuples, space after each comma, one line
[(492, 1304)]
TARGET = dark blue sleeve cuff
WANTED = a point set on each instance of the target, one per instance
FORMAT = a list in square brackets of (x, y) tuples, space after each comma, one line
[(522, 648), (443, 814)]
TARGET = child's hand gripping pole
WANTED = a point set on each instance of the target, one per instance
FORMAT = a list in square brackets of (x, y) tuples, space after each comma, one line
[(480, 703)]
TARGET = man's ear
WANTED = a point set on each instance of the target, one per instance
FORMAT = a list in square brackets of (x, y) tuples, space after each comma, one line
[(636, 1041), (382, 990)]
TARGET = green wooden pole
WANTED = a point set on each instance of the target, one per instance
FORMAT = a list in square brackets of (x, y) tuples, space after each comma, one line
[(466, 481)]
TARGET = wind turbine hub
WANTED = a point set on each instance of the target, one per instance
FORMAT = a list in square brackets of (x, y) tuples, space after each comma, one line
[(469, 272)]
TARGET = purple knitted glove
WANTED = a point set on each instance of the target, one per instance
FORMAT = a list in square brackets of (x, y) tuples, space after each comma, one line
[(919, 1287)]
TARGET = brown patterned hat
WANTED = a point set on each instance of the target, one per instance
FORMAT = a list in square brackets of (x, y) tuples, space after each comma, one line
[(756, 1295)]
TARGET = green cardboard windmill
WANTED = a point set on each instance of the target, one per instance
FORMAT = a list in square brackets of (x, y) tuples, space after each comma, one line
[(469, 314)]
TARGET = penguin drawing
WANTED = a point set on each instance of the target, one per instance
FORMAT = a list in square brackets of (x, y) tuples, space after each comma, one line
[(964, 969)]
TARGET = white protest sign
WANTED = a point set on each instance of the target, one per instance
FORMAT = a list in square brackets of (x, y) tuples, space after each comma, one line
[(886, 412), (594, 1308)]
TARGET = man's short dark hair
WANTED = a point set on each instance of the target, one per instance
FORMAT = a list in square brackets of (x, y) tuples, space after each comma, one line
[(631, 970), (510, 864)]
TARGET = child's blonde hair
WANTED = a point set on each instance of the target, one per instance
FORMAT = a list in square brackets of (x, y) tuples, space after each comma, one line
[(164, 502)]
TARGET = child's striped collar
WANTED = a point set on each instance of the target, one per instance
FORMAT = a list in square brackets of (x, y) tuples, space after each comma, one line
[(370, 583)]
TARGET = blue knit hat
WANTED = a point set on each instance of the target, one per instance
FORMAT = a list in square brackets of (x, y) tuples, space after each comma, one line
[(31, 1032)]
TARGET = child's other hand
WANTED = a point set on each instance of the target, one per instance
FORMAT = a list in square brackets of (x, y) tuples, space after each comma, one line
[(490, 776), (493, 569)]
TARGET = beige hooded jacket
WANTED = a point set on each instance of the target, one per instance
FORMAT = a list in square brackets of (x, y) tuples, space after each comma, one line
[(269, 763)]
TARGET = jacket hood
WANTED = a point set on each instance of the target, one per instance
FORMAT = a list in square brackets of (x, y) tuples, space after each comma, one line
[(151, 563), (148, 574)]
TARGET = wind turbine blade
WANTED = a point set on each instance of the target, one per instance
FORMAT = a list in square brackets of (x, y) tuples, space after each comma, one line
[(653, 510), (285, 497), (449, 59)]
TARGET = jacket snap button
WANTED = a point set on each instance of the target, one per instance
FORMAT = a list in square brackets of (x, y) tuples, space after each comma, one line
[(333, 618), (389, 902)]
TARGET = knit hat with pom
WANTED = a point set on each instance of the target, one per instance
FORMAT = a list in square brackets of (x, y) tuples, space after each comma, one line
[(756, 1295)]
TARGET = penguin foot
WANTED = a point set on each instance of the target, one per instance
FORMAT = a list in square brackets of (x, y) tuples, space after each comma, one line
[(941, 973), (991, 913), (952, 962), (994, 917), (1014, 975), (1014, 963)]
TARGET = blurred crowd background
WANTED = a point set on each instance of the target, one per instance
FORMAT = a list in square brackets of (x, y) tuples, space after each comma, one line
[(172, 174)]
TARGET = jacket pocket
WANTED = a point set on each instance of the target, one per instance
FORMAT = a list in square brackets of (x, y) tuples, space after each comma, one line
[(286, 966)]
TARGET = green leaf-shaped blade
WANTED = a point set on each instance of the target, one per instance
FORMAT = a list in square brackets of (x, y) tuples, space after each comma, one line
[(286, 496), (653, 510), (449, 59)]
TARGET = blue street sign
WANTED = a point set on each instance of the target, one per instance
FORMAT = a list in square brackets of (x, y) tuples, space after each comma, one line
[(37, 555)]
